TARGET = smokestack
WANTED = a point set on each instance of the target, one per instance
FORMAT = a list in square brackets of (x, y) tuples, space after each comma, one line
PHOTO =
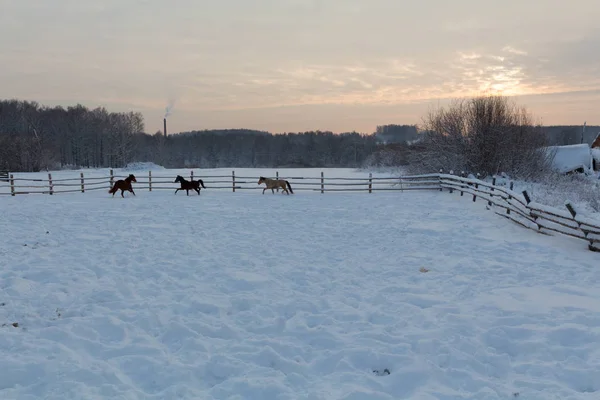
[(165, 124)]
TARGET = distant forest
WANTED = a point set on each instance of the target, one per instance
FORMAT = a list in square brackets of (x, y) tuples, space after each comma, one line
[(35, 137)]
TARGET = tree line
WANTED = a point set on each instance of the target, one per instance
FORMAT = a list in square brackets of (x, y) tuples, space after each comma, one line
[(35, 137), (485, 134), (249, 148)]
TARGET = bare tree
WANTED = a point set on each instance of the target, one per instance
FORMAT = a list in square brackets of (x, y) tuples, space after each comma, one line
[(486, 135)]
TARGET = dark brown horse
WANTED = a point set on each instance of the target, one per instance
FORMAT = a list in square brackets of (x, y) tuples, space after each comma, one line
[(187, 185), (123, 185)]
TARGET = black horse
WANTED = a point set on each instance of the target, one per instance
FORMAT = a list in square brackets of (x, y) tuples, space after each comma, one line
[(187, 185)]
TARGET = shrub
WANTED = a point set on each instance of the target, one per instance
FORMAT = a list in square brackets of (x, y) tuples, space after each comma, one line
[(486, 135)]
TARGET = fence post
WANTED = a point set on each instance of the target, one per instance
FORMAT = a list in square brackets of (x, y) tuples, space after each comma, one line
[(12, 185), (526, 196), (440, 179), (149, 181), (112, 178), (451, 189), (475, 191), (192, 175), (277, 177), (571, 210), (370, 182), (50, 183), (322, 182), (491, 195), (82, 185), (233, 180), (510, 197), (528, 200), (585, 233)]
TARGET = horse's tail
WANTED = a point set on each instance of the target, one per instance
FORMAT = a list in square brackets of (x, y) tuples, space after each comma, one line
[(114, 189), (289, 187), (201, 183)]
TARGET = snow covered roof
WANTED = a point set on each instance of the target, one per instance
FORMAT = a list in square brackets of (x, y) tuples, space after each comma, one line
[(572, 157)]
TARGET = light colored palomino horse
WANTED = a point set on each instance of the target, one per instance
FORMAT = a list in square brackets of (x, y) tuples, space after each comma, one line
[(275, 184)]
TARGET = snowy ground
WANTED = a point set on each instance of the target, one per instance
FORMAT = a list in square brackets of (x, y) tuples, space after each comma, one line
[(245, 296)]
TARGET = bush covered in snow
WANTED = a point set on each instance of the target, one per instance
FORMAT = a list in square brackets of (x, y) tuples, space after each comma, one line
[(486, 135)]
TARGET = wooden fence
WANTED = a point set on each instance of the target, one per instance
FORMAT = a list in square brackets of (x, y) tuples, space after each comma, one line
[(517, 207), (232, 182)]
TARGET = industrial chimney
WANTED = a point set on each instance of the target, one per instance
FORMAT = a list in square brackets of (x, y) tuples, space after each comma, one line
[(165, 124)]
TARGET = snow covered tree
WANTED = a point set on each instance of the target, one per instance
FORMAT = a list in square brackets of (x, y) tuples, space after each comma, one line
[(486, 135)]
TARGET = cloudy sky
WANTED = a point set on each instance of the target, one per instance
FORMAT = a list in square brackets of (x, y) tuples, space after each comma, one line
[(296, 65)]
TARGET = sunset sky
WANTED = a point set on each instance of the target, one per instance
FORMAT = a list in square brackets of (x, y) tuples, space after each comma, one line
[(297, 65)]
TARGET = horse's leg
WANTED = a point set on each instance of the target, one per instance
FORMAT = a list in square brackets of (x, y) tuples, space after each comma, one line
[(187, 192), (122, 193), (264, 190), (177, 190), (197, 190), (131, 190)]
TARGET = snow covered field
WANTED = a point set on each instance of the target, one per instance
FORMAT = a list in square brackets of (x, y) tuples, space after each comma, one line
[(245, 296)]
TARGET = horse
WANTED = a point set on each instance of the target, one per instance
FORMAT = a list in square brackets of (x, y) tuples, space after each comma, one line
[(187, 185), (275, 184), (123, 185)]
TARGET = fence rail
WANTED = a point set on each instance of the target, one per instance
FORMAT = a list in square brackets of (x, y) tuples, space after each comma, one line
[(507, 203), (233, 182), (520, 209)]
